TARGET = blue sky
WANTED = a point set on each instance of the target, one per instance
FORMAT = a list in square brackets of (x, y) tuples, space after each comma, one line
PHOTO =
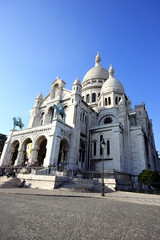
[(43, 39)]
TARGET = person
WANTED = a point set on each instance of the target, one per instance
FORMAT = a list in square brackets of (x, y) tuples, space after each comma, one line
[(2, 172), (49, 168), (22, 184)]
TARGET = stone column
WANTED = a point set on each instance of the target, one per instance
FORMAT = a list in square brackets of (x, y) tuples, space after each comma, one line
[(34, 152), (19, 158)]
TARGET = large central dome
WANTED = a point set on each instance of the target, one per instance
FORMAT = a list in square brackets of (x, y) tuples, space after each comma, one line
[(97, 72)]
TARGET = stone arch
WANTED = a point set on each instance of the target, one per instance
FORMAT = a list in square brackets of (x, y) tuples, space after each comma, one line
[(88, 98), (14, 152), (50, 115), (65, 108), (63, 154), (56, 90), (26, 149), (40, 149), (107, 118), (42, 118)]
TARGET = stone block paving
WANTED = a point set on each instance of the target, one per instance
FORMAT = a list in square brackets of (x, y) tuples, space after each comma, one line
[(140, 198), (28, 214)]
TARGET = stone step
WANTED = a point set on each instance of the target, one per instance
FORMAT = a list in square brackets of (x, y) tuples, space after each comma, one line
[(9, 182), (91, 185)]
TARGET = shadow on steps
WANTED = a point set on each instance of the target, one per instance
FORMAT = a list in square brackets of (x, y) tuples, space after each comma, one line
[(9, 182)]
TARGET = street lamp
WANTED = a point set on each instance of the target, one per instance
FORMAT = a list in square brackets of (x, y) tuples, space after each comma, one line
[(103, 144)]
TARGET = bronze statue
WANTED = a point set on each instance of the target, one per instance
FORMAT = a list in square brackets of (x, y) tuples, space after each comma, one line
[(60, 111), (17, 122)]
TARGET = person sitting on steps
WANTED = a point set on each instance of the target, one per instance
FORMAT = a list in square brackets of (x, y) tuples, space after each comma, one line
[(22, 184)]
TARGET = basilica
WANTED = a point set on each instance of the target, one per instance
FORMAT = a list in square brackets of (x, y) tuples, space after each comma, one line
[(67, 127)]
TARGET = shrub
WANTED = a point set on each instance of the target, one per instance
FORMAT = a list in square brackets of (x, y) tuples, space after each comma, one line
[(150, 177)]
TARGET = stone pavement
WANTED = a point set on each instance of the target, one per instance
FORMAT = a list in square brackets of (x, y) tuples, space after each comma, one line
[(139, 198)]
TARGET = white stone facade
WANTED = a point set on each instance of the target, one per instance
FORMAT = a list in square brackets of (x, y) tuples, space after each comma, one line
[(95, 109)]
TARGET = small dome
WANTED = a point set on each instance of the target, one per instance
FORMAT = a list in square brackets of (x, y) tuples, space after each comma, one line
[(40, 96), (112, 84), (97, 71), (77, 82)]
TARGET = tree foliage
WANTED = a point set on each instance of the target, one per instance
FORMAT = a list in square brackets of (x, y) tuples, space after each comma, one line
[(3, 138), (149, 176)]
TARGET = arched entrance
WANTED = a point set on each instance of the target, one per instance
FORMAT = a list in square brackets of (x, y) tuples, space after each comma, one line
[(14, 152), (26, 152), (50, 114), (63, 152), (41, 150)]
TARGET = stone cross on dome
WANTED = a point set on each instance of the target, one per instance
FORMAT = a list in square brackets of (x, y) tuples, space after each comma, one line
[(97, 60)]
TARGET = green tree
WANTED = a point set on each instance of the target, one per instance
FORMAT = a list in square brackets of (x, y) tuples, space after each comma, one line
[(3, 138), (150, 177)]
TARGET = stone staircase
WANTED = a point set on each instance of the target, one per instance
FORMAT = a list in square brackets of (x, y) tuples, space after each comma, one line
[(9, 182), (84, 185)]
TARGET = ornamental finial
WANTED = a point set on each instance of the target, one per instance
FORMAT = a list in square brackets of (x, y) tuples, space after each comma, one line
[(98, 60), (111, 71)]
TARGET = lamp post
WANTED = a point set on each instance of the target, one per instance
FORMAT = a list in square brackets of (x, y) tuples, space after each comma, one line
[(103, 144)]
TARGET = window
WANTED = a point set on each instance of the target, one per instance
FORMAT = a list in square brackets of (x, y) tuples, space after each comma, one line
[(109, 101), (81, 117), (105, 101), (108, 120), (116, 100), (41, 118), (94, 148), (93, 97), (56, 90), (87, 98), (52, 115), (119, 99), (108, 147)]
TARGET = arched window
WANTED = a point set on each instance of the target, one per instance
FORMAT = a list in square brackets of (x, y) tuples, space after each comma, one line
[(93, 97), (109, 101), (65, 108), (50, 115), (87, 98), (108, 147), (94, 148), (116, 100), (105, 101), (108, 120), (81, 117), (42, 119), (56, 90), (119, 99), (101, 149)]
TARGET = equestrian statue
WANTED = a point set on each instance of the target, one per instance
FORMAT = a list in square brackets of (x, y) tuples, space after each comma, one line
[(17, 122), (60, 111)]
